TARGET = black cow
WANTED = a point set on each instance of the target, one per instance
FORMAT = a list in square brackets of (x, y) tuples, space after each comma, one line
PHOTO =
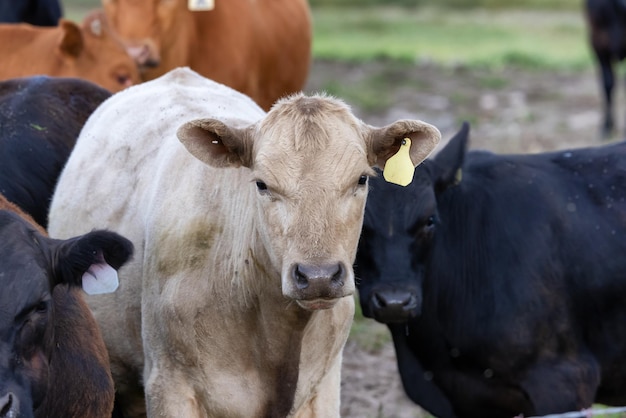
[(502, 279), (53, 361), (35, 12), (606, 21), (40, 119)]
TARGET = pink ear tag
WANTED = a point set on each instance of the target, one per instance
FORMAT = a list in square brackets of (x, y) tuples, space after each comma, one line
[(100, 278)]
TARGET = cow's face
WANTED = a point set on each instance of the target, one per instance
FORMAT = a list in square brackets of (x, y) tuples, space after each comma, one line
[(142, 23), (31, 264), (92, 52), (310, 160), (398, 234)]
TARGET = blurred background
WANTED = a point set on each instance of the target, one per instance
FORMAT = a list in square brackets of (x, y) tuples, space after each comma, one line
[(521, 72)]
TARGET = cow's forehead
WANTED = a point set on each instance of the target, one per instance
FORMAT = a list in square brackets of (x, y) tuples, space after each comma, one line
[(311, 137), (23, 279)]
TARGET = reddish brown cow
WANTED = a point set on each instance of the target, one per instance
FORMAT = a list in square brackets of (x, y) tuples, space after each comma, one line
[(89, 51), (53, 361), (259, 47)]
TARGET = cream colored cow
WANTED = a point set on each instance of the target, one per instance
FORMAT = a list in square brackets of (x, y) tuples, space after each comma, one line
[(239, 300)]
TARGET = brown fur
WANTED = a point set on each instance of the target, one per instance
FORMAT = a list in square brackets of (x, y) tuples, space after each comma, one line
[(80, 383), (89, 51), (6, 205), (259, 47)]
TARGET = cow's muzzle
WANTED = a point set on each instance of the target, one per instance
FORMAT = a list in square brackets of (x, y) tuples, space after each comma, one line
[(394, 306), (318, 286)]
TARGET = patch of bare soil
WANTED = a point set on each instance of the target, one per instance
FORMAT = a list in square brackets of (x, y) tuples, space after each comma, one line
[(509, 111)]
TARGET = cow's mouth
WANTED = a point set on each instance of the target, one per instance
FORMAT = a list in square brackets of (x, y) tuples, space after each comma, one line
[(317, 304)]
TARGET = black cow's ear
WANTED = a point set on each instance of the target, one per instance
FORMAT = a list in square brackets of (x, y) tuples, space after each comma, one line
[(449, 160), (87, 256)]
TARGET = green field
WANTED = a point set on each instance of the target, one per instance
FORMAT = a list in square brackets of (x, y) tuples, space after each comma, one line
[(475, 37), (549, 34)]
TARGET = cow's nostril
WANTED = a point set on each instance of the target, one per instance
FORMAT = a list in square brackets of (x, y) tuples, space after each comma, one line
[(380, 300), (8, 406), (338, 276), (302, 281)]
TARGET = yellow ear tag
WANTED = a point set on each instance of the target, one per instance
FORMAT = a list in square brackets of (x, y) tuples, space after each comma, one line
[(399, 168)]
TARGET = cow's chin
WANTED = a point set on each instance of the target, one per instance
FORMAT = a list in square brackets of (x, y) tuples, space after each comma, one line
[(317, 304)]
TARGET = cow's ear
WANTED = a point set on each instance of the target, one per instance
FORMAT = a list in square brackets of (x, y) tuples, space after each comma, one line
[(71, 42), (386, 141), (217, 144), (448, 162), (91, 260)]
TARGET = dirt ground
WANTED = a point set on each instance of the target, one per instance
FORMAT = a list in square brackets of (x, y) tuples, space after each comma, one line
[(509, 111)]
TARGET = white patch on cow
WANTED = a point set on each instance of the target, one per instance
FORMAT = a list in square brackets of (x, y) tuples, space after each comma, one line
[(100, 278)]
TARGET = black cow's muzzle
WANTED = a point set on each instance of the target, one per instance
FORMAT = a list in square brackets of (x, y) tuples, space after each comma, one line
[(394, 306)]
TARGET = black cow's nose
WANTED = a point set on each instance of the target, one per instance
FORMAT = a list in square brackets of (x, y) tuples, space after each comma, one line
[(394, 305), (319, 276), (9, 406), (392, 299)]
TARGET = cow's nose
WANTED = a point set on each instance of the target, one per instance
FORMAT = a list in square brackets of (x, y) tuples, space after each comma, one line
[(316, 278), (9, 406), (394, 305)]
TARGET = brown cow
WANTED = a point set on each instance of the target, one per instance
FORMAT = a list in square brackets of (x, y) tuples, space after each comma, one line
[(53, 361), (90, 51), (246, 223), (259, 47)]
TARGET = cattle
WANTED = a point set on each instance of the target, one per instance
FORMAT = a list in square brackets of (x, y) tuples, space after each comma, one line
[(245, 225), (90, 51), (606, 22), (40, 119), (34, 12), (501, 279), (53, 361), (259, 47)]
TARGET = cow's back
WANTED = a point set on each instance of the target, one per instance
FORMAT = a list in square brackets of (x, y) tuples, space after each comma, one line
[(143, 167), (41, 118), (35, 12), (261, 48)]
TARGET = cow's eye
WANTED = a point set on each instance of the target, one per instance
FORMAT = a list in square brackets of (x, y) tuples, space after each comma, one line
[(430, 222), (122, 79), (363, 180), (41, 307), (262, 187)]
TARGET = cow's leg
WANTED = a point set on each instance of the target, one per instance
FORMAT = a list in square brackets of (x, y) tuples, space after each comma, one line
[(168, 394), (608, 82), (562, 384), (416, 381), (326, 401)]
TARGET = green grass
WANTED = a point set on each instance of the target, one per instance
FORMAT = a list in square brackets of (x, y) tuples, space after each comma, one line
[(370, 335), (475, 38), (76, 9), (464, 4)]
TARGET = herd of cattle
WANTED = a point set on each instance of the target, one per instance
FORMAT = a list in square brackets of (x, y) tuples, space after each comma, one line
[(241, 216)]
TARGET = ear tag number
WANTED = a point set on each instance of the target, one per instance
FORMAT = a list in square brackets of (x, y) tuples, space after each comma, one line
[(399, 168), (200, 5)]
